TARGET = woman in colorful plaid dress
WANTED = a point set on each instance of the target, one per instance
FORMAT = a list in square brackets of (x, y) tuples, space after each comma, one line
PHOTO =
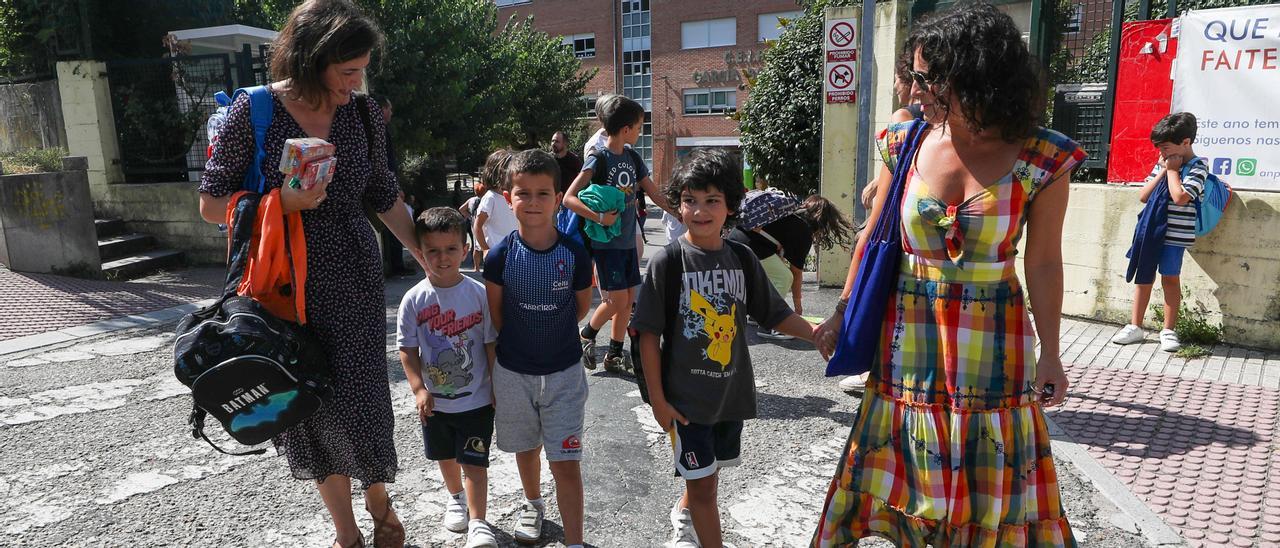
[(950, 446)]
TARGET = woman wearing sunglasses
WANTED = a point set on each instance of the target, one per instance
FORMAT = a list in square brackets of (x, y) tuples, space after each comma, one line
[(950, 446)]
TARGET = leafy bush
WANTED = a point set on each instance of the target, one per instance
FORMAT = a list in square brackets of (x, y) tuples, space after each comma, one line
[(1193, 328), (33, 160), (781, 123)]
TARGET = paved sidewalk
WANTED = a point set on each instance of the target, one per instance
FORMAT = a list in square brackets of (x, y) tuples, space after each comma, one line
[(1195, 440), (31, 304)]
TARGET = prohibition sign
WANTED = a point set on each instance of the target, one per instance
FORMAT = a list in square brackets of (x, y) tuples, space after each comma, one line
[(840, 77), (841, 34)]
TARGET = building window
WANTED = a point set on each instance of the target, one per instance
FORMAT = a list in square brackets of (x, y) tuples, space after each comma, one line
[(770, 25), (710, 101), (502, 3), (583, 45), (637, 73), (589, 106), (709, 34), (636, 30)]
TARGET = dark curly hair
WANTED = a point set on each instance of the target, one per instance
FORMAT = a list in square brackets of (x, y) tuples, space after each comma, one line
[(705, 168), (976, 55)]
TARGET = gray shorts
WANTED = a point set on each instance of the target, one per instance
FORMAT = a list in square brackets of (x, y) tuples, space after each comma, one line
[(540, 411)]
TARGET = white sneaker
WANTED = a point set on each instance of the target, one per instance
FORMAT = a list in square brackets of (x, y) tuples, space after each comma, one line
[(1169, 341), (854, 384), (480, 535), (456, 515), (775, 335), (1129, 334), (529, 524), (684, 535)]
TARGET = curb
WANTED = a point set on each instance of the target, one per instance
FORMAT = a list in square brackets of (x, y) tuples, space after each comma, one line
[(1154, 529), (38, 340)]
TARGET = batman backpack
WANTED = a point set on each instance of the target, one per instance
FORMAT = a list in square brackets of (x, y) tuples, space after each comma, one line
[(255, 373)]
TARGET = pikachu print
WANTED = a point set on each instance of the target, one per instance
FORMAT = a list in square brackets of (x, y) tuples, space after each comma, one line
[(719, 328)]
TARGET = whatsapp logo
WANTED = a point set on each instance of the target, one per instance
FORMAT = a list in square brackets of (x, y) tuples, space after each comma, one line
[(1246, 167)]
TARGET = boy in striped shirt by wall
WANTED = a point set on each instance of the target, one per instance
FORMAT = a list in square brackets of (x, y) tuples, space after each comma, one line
[(1185, 174)]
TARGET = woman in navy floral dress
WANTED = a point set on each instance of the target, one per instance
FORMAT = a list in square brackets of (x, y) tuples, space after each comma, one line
[(319, 58)]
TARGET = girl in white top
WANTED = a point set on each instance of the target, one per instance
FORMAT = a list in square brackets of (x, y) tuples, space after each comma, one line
[(494, 219)]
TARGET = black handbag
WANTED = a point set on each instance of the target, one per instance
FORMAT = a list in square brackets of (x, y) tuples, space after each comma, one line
[(255, 373), (877, 274)]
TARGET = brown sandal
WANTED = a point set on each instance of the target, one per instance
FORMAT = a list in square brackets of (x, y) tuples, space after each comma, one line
[(359, 543), (385, 533)]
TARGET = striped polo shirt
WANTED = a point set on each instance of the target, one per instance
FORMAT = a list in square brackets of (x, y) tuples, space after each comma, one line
[(1181, 231)]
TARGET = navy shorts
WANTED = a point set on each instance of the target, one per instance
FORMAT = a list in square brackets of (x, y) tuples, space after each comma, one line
[(464, 437), (618, 269), (1171, 260), (702, 449)]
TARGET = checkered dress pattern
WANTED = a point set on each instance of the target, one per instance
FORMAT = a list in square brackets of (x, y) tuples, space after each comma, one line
[(950, 446)]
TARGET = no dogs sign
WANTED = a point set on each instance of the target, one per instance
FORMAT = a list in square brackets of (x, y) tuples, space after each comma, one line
[(841, 68)]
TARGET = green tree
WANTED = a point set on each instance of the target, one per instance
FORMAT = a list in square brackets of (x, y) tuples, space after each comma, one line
[(542, 85), (781, 123), (36, 33)]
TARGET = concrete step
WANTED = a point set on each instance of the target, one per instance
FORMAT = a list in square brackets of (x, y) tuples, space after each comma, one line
[(143, 263), (107, 228), (115, 247)]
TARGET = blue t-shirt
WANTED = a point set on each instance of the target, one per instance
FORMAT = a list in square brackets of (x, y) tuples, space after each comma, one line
[(625, 173), (539, 334)]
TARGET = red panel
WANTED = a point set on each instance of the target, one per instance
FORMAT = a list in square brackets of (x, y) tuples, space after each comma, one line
[(1143, 95)]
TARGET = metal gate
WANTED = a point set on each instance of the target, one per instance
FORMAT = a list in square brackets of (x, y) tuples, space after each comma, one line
[(161, 107)]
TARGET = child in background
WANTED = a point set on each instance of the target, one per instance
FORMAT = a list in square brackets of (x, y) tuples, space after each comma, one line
[(446, 338), (1185, 174), (705, 390), (494, 218), (470, 209), (539, 286), (617, 260)]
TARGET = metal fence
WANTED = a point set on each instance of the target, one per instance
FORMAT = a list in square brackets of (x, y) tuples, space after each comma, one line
[(161, 107)]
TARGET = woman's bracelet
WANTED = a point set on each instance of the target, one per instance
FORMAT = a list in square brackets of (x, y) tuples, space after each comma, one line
[(841, 305)]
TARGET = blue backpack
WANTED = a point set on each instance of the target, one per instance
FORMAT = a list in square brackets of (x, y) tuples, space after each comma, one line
[(261, 108), (569, 223), (1211, 204)]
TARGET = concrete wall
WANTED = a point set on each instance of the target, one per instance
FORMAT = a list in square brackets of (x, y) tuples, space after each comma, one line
[(1234, 273), (839, 126), (46, 223), (31, 116), (90, 125), (171, 213)]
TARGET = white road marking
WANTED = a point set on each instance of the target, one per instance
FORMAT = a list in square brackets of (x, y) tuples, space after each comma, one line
[(129, 346), (25, 362), (56, 492), (86, 398), (779, 509)]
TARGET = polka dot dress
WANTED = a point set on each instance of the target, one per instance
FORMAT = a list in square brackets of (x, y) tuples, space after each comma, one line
[(352, 435)]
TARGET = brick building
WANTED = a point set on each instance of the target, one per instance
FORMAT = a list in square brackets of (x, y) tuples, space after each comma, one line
[(685, 61)]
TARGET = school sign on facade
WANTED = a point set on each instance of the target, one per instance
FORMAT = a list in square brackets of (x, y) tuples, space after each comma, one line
[(1226, 73)]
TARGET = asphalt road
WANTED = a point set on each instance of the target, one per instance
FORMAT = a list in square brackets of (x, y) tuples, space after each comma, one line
[(96, 453)]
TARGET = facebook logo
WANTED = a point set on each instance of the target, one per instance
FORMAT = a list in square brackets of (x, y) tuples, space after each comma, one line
[(1222, 166)]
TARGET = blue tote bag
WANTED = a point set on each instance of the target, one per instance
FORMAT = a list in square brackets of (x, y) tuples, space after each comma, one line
[(877, 274)]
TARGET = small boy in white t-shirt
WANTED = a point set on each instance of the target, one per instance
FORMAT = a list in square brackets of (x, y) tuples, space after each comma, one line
[(447, 342)]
